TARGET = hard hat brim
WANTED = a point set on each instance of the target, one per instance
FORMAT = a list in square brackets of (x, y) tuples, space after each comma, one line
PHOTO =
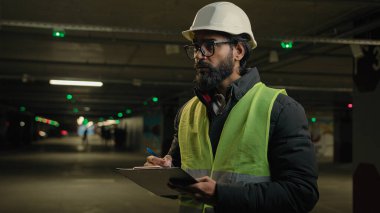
[(189, 35)]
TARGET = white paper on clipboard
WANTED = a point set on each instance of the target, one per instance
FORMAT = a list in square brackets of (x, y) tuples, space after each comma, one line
[(155, 179)]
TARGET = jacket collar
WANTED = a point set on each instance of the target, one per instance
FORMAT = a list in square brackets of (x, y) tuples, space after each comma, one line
[(245, 83), (237, 89)]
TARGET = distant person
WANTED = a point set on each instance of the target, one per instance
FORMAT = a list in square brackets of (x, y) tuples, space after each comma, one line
[(85, 137), (120, 138), (103, 133), (107, 136), (247, 144)]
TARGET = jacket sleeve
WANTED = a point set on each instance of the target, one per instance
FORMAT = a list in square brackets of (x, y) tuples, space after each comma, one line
[(174, 150), (292, 164)]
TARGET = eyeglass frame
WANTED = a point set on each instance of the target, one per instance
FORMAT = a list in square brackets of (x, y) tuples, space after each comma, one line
[(198, 47)]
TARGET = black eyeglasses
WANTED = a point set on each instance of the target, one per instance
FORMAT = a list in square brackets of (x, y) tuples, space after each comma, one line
[(207, 48)]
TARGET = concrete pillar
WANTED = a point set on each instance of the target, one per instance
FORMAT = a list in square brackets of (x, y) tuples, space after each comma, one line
[(343, 135), (366, 133)]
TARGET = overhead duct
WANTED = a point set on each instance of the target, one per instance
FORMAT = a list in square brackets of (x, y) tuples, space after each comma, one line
[(305, 39), (81, 27), (100, 28)]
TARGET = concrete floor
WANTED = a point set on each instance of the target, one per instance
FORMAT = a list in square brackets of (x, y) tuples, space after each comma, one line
[(60, 175)]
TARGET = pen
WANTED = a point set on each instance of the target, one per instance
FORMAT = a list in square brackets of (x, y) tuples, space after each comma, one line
[(150, 151)]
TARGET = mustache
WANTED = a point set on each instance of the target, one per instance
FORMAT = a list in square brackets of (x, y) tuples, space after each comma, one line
[(201, 64)]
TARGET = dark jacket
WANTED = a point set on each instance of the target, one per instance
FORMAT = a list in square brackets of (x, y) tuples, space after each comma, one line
[(290, 154)]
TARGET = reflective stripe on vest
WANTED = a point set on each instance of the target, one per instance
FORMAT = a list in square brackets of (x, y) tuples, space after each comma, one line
[(228, 177), (241, 155)]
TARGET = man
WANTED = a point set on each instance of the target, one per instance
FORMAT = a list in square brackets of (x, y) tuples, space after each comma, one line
[(247, 144)]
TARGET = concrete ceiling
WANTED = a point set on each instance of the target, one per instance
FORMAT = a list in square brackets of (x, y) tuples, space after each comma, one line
[(128, 45)]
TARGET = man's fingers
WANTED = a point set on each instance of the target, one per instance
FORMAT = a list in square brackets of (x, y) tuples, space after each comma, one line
[(194, 188), (150, 158), (148, 164), (204, 179), (203, 191), (154, 160), (168, 157)]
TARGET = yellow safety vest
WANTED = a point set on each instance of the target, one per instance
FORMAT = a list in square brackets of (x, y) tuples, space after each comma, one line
[(241, 155)]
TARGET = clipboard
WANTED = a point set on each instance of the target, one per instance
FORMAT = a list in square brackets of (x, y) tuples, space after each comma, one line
[(155, 179)]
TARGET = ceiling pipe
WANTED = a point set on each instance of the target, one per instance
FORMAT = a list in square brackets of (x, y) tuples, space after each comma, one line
[(112, 29), (189, 84), (82, 27), (305, 39)]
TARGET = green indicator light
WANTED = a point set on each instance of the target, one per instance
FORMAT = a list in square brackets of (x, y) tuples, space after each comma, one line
[(75, 110), (128, 111), (69, 96), (117, 121), (59, 33), (155, 99), (36, 118), (313, 120), (120, 114), (22, 109), (287, 44), (85, 121)]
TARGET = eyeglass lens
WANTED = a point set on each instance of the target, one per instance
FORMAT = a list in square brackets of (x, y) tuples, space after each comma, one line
[(206, 48)]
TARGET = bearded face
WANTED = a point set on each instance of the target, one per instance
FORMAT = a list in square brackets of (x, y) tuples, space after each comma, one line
[(208, 77)]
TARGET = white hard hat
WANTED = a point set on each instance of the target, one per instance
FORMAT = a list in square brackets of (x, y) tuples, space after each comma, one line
[(221, 16)]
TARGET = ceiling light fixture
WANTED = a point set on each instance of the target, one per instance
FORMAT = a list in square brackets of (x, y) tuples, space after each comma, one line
[(76, 83)]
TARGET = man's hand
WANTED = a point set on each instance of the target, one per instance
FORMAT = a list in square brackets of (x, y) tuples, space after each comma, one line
[(203, 191), (156, 161)]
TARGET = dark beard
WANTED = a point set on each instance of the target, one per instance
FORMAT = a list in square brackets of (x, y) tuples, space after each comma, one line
[(208, 80)]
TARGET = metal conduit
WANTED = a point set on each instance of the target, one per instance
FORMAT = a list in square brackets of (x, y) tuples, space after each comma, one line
[(100, 28)]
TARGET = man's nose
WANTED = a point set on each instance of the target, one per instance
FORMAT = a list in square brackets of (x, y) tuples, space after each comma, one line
[(198, 55)]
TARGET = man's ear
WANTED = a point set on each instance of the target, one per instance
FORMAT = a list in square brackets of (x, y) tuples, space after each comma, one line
[(239, 51)]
